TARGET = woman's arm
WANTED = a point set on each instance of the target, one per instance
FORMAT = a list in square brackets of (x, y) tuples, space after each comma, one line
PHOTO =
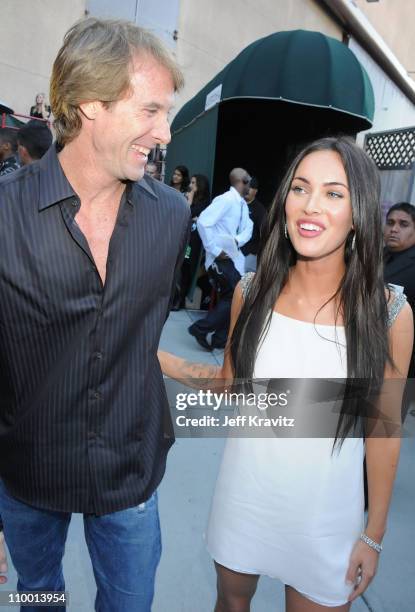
[(382, 454), (203, 375)]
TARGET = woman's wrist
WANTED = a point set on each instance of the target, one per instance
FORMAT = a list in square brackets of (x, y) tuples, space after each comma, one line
[(374, 532), (374, 544)]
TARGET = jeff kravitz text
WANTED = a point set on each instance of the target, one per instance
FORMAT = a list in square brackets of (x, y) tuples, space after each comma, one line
[(249, 402), (236, 421)]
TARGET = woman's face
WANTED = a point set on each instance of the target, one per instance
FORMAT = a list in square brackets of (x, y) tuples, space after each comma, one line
[(318, 207), (399, 231), (177, 177), (39, 98), (193, 184)]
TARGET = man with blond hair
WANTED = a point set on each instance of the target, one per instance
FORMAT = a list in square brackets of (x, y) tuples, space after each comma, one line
[(84, 422)]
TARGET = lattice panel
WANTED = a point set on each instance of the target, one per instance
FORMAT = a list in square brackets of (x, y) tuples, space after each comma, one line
[(393, 150)]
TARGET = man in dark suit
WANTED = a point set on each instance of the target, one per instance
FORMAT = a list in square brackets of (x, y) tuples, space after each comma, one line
[(257, 214), (399, 260), (400, 248), (88, 252)]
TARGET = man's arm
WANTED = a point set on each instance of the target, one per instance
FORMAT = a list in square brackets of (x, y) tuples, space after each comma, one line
[(247, 227), (207, 221), (184, 240), (202, 375)]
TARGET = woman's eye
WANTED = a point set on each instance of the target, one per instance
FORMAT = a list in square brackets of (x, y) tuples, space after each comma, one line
[(297, 189), (335, 194)]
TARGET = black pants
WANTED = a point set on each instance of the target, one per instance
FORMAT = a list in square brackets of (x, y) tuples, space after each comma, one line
[(224, 277)]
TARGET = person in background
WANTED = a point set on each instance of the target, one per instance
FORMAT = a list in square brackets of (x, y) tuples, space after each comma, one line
[(8, 151), (399, 255), (224, 227), (33, 140), (40, 109), (257, 214), (399, 265), (180, 179), (152, 170), (198, 197)]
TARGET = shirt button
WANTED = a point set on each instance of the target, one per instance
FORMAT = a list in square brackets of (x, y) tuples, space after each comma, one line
[(96, 395), (74, 203), (97, 355)]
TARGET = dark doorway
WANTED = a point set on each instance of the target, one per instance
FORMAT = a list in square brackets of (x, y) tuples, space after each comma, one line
[(263, 136)]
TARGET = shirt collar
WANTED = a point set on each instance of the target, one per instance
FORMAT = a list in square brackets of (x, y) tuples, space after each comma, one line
[(146, 184), (236, 194), (55, 187)]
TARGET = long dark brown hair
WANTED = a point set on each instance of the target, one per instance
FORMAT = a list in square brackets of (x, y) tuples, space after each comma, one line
[(361, 293), (202, 194)]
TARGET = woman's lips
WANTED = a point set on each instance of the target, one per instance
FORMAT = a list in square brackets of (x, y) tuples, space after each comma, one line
[(307, 229)]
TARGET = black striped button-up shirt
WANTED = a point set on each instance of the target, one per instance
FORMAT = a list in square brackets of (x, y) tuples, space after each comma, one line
[(84, 420)]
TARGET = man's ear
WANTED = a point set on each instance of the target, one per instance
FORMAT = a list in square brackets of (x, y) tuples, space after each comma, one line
[(90, 109), (24, 155)]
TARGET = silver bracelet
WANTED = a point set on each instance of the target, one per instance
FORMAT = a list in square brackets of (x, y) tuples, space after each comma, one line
[(371, 543)]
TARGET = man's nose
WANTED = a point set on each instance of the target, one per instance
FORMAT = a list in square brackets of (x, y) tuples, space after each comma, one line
[(162, 132)]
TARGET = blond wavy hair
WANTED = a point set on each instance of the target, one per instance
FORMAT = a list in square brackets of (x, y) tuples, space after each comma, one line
[(94, 63)]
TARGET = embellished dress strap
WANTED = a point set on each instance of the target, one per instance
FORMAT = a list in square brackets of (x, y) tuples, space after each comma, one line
[(395, 306), (245, 282)]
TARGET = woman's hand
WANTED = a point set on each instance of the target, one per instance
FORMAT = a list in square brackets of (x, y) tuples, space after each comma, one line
[(362, 568)]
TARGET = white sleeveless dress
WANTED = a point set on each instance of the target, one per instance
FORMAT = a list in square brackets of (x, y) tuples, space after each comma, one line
[(289, 508)]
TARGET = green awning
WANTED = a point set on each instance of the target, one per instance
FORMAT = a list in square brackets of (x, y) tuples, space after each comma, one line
[(299, 66), (280, 92)]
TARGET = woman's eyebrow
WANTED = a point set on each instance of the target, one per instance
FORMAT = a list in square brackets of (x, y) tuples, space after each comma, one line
[(301, 178)]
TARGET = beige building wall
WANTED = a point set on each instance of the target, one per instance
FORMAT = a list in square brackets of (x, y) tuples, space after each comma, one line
[(211, 33), (31, 32), (394, 20)]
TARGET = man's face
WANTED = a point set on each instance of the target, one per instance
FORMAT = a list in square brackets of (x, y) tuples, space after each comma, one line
[(122, 136), (251, 195), (24, 156), (5, 150), (151, 170), (242, 185), (399, 231)]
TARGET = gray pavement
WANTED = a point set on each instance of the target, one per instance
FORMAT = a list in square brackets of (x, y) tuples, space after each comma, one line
[(186, 578)]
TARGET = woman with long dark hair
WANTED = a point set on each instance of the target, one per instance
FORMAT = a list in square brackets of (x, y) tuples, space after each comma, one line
[(198, 194), (316, 308), (199, 198), (180, 179)]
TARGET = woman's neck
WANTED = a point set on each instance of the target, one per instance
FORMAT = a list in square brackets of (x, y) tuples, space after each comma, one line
[(312, 280)]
